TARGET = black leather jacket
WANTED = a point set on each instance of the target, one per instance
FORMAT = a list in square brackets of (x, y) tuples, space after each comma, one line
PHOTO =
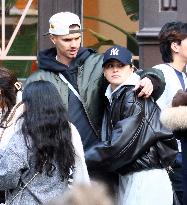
[(132, 135)]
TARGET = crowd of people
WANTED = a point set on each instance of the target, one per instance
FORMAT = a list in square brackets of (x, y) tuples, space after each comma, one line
[(86, 117)]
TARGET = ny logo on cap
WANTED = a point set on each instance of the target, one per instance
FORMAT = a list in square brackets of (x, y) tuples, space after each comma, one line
[(114, 52)]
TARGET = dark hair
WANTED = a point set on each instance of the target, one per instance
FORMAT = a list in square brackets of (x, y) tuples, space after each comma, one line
[(72, 26), (171, 32), (7, 91), (46, 122)]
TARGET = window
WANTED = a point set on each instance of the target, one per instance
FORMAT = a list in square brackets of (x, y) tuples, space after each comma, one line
[(19, 36)]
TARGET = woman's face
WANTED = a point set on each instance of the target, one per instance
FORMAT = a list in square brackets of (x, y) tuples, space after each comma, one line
[(116, 72)]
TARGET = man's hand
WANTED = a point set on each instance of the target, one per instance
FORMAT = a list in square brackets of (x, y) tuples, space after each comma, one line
[(146, 87)]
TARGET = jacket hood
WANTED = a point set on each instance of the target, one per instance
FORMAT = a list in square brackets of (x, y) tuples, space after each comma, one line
[(174, 118), (48, 62)]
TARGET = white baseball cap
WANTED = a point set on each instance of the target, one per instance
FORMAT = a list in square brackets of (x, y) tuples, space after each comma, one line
[(59, 23)]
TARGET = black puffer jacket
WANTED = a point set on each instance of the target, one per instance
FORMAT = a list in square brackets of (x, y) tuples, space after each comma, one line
[(134, 138)]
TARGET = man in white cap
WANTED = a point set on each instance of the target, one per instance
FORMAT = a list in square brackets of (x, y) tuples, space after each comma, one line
[(78, 75)]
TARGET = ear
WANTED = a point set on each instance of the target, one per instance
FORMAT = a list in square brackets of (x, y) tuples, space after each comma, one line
[(104, 73), (52, 38), (175, 47), (132, 68)]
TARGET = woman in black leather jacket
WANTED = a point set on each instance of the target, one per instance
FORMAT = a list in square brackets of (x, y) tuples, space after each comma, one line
[(134, 141)]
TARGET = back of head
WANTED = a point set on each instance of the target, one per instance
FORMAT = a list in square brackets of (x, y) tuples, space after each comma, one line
[(45, 121), (95, 194), (7, 90), (171, 32), (41, 96)]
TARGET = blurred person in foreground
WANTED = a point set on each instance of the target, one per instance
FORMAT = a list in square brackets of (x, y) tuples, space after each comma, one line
[(94, 194)]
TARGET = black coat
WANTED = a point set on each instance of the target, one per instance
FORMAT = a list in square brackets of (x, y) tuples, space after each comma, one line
[(134, 136)]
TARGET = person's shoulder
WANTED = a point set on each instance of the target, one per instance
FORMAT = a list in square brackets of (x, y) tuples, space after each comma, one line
[(94, 62), (95, 56), (39, 75), (161, 66), (12, 137)]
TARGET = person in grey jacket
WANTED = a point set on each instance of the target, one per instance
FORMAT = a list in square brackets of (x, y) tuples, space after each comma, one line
[(9, 92), (68, 66), (44, 154)]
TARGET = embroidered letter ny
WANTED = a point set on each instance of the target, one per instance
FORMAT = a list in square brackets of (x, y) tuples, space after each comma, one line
[(114, 52)]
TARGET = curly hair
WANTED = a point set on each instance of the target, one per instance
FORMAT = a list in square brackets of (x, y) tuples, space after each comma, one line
[(171, 32), (45, 121), (7, 91)]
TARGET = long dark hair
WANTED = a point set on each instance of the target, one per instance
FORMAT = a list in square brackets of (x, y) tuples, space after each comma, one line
[(7, 92), (46, 122)]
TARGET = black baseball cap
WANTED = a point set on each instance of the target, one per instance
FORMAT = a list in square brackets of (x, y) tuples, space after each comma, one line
[(119, 53)]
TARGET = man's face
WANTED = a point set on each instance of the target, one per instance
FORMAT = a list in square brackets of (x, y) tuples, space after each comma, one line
[(183, 50), (67, 46), (116, 72), (180, 51)]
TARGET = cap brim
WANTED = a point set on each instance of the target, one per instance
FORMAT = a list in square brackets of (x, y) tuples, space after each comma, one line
[(45, 34), (70, 32), (115, 58)]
